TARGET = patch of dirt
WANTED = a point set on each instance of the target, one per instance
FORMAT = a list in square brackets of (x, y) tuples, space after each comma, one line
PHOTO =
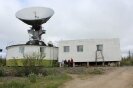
[(121, 77)]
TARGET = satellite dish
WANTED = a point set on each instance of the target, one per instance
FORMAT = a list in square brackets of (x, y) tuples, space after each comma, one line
[(35, 15)]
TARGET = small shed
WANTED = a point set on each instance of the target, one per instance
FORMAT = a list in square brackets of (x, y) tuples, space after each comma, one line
[(21, 50)]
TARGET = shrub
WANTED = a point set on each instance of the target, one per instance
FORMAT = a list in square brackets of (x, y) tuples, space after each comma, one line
[(27, 70), (44, 72), (96, 71), (52, 71), (19, 71), (127, 62), (2, 62), (9, 71), (33, 60), (2, 72), (32, 77), (75, 70)]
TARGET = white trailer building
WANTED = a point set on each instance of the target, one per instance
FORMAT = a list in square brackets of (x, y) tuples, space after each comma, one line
[(90, 51)]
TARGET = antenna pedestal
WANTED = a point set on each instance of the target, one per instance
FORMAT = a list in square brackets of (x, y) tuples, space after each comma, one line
[(35, 35)]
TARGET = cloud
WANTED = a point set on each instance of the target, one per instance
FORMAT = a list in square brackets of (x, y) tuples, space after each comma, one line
[(73, 19)]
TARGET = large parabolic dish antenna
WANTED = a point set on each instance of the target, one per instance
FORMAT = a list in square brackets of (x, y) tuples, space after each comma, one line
[(35, 16)]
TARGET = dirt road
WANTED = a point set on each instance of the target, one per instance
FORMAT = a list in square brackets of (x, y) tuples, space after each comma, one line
[(121, 77)]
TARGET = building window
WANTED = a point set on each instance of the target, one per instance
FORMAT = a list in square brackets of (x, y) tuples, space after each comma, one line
[(41, 49), (100, 47), (66, 49), (21, 49), (80, 48)]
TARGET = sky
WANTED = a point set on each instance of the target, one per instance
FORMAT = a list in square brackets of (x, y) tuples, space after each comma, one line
[(73, 19)]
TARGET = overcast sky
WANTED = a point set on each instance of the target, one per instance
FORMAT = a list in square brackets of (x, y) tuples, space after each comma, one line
[(73, 19)]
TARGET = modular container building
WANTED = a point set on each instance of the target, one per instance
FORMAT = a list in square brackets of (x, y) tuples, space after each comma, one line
[(89, 51)]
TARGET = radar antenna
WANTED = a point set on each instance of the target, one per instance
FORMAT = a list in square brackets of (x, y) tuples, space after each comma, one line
[(35, 16)]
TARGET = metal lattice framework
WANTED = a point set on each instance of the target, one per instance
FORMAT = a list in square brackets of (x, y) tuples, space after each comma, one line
[(99, 54)]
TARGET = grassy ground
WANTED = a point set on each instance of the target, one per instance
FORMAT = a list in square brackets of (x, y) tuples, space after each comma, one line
[(50, 81), (45, 77)]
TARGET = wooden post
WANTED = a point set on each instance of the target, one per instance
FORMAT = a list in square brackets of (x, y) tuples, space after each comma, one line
[(119, 63), (88, 64), (73, 64), (60, 64)]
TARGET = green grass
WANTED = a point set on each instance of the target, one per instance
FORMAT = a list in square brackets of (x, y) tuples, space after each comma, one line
[(19, 62), (13, 82), (51, 81), (53, 78)]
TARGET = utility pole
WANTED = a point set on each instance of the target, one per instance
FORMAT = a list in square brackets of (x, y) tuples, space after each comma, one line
[(129, 54)]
